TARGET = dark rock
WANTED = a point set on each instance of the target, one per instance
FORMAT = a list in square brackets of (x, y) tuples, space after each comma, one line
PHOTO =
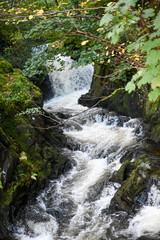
[(46, 88), (134, 178)]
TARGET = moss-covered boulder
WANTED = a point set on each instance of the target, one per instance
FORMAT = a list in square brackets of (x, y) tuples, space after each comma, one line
[(152, 115), (133, 183), (30, 145), (136, 179)]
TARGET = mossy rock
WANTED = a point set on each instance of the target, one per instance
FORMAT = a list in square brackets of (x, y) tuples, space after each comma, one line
[(153, 116), (5, 67), (153, 111), (135, 181), (124, 172), (16, 91)]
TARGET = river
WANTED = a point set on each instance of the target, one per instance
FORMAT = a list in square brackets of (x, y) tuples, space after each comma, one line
[(76, 206)]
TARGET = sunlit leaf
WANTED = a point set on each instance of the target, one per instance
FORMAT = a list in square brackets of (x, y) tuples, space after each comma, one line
[(84, 42), (30, 17), (130, 87), (154, 94)]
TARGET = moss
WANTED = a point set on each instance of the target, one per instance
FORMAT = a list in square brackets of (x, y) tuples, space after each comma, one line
[(153, 116), (7, 196), (17, 70), (156, 133), (123, 173), (98, 85), (133, 177), (17, 92), (153, 111), (5, 67)]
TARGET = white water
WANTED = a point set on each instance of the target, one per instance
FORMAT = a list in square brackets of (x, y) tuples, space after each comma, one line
[(74, 207), (147, 220)]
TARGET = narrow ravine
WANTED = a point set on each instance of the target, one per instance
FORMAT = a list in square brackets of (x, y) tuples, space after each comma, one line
[(75, 206)]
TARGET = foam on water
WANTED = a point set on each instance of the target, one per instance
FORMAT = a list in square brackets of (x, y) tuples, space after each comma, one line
[(147, 220)]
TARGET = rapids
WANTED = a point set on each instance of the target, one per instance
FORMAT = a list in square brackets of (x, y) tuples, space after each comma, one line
[(75, 206)]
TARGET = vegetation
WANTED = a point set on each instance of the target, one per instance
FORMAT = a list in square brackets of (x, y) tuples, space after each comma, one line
[(16, 91), (123, 34)]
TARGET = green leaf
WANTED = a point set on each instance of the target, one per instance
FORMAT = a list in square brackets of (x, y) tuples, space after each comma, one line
[(106, 19), (156, 22), (115, 38), (146, 78), (139, 74), (155, 34), (155, 81), (154, 94), (130, 87), (134, 46), (151, 44), (148, 13), (33, 176), (153, 57)]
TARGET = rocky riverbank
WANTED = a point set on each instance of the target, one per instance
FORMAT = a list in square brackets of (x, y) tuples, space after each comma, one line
[(29, 145)]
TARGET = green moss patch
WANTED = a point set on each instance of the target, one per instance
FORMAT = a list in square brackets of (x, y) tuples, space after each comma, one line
[(5, 67), (16, 91)]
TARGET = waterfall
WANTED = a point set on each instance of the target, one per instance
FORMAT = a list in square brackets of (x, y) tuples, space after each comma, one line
[(75, 206), (68, 80)]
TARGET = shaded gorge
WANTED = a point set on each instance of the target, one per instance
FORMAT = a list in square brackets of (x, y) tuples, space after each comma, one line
[(112, 190)]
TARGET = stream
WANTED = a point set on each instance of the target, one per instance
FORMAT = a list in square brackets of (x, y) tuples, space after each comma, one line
[(76, 206)]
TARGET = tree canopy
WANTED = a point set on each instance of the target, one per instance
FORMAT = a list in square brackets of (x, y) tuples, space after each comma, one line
[(122, 34)]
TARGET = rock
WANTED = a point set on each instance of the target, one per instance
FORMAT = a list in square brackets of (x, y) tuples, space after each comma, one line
[(134, 178), (46, 87), (152, 115)]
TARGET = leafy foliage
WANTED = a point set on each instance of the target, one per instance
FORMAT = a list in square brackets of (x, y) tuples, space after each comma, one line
[(121, 17), (126, 36)]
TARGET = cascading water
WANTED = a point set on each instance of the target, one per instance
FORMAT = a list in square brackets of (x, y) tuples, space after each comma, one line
[(75, 206), (147, 220)]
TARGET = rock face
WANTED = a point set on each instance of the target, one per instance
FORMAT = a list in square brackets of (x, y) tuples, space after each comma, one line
[(29, 144)]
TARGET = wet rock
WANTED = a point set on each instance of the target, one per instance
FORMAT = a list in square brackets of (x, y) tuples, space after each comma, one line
[(72, 125), (46, 87), (134, 178), (153, 116)]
